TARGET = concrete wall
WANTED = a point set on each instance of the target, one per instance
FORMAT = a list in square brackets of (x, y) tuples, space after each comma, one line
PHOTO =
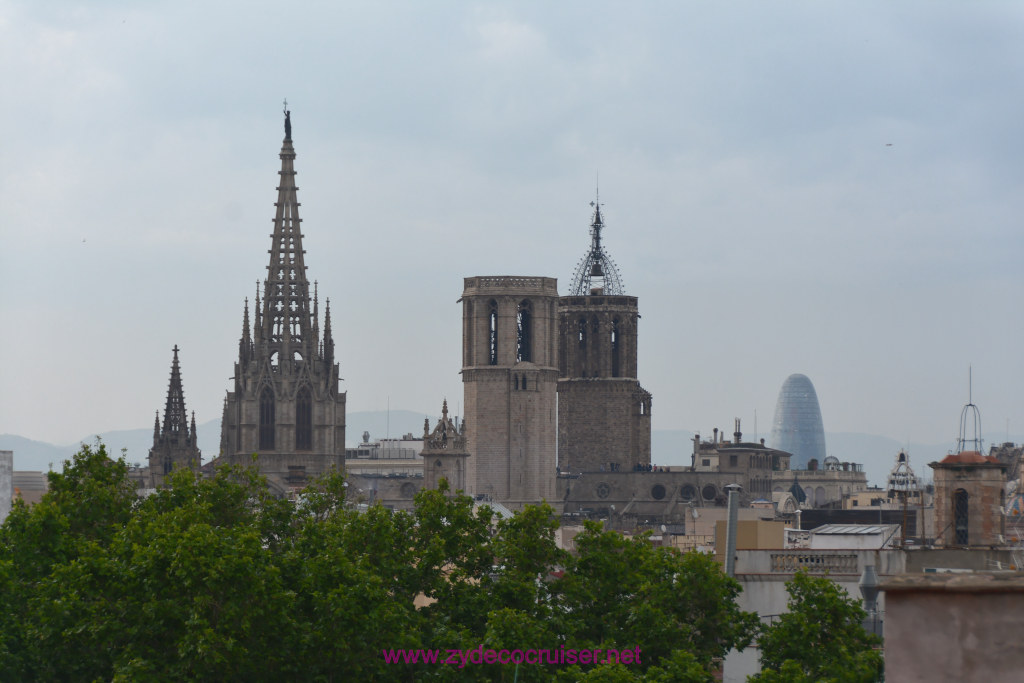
[(6, 483), (954, 627)]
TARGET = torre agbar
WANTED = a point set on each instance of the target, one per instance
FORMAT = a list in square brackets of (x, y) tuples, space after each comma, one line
[(798, 427)]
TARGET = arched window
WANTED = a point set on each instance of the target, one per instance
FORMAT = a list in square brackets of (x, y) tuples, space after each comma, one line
[(960, 529), (582, 333), (167, 465), (267, 419), (304, 420), (517, 382), (524, 324), (492, 325), (524, 382), (615, 347)]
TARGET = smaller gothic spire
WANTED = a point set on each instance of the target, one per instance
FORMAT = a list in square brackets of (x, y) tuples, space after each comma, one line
[(316, 316), (156, 428), (245, 345), (192, 435), (258, 328), (328, 339), (174, 412)]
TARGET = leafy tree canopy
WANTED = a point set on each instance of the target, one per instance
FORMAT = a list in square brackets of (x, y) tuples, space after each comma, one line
[(215, 579), (821, 639)]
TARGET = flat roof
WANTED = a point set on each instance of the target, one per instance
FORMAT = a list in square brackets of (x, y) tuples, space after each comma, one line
[(859, 529)]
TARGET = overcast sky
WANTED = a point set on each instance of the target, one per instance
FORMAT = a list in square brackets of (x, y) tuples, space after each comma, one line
[(835, 189)]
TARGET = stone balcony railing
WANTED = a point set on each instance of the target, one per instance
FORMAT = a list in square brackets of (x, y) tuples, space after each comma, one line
[(815, 562)]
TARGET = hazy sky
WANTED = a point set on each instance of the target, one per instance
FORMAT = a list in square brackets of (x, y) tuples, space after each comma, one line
[(835, 189)]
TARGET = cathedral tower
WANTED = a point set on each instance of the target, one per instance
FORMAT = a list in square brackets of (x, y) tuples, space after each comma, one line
[(286, 405), (604, 415), (509, 373), (174, 446)]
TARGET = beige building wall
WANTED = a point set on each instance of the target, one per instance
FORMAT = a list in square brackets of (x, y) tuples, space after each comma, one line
[(974, 622)]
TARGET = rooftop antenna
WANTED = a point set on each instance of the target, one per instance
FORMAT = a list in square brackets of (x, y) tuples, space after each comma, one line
[(971, 412)]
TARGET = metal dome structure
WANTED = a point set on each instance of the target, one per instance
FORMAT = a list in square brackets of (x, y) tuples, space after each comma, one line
[(596, 273)]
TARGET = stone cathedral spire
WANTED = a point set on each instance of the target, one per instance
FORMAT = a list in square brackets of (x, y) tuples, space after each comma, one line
[(174, 445), (286, 406)]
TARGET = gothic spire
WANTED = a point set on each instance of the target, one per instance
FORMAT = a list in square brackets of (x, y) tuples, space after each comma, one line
[(286, 323), (596, 273), (175, 419), (328, 339), (316, 319), (245, 345)]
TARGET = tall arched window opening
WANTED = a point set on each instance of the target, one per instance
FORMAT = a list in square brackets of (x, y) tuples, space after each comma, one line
[(524, 324), (615, 348), (960, 529), (267, 419), (492, 326), (304, 420)]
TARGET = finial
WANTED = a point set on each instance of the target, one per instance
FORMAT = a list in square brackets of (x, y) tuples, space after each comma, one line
[(287, 122), (444, 409)]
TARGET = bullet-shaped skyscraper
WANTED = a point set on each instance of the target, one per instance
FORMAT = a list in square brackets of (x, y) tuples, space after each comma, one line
[(798, 428)]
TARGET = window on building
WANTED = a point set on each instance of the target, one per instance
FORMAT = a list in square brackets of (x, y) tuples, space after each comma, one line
[(615, 347), (733, 460), (304, 420), (492, 342), (266, 419), (706, 462), (960, 528), (524, 331)]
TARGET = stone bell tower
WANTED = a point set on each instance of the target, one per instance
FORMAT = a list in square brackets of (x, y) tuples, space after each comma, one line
[(286, 406), (509, 373), (604, 415)]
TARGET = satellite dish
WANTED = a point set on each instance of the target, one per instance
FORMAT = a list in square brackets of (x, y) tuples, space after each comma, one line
[(695, 513), (663, 528)]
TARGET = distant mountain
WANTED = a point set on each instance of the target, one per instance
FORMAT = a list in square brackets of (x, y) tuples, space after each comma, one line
[(668, 446), (38, 455)]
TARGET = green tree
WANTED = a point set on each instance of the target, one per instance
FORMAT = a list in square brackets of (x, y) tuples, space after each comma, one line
[(821, 639), (622, 592), (213, 578)]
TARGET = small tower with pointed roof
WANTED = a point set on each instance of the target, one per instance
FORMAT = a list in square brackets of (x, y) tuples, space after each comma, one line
[(286, 405), (604, 415), (444, 453), (174, 444)]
